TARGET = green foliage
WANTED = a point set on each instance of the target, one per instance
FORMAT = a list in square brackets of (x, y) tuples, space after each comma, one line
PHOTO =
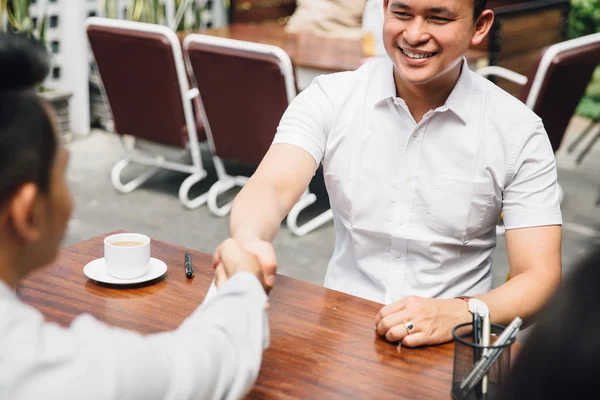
[(584, 19), (19, 19), (149, 11), (152, 11)]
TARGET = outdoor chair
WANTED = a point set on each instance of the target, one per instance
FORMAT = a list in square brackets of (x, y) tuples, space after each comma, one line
[(556, 83), (146, 85), (244, 89)]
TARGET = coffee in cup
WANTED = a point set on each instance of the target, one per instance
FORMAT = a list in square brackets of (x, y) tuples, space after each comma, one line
[(127, 255), (127, 244)]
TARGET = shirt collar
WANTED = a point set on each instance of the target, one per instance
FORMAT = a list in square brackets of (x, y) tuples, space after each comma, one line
[(383, 87), (6, 291), (459, 101)]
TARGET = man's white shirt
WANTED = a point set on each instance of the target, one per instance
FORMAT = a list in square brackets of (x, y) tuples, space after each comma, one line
[(415, 205)]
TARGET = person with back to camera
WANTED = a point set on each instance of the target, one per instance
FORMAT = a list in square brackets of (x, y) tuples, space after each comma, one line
[(214, 354), (420, 157), (560, 359)]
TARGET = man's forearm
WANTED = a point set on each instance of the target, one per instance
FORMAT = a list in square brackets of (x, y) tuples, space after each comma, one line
[(523, 295), (257, 212)]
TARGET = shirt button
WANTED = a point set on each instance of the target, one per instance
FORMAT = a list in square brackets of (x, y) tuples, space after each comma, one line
[(407, 180)]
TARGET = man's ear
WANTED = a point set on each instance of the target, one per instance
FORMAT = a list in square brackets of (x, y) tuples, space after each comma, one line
[(385, 5), (25, 213), (482, 26)]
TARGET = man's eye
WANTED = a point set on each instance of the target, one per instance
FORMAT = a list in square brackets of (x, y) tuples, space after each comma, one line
[(440, 19)]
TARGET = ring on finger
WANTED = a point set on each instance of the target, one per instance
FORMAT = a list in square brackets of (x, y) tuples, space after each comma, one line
[(410, 328)]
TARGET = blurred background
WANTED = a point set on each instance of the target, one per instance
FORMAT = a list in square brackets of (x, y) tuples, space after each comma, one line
[(115, 100)]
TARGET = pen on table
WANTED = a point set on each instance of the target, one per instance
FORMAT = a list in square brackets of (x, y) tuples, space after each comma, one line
[(189, 270)]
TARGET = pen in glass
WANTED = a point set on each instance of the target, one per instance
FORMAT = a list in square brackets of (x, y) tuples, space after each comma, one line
[(485, 341), (483, 366), (477, 342), (189, 270), (491, 355)]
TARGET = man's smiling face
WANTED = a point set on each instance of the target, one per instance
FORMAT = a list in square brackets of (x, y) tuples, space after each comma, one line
[(427, 38)]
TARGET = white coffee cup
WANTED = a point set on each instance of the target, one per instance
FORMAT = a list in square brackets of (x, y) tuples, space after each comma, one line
[(127, 255)]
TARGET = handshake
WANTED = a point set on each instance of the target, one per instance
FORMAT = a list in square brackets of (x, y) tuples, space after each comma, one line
[(254, 256)]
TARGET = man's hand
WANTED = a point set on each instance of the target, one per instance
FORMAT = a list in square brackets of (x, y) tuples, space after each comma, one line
[(432, 320), (230, 258), (264, 253)]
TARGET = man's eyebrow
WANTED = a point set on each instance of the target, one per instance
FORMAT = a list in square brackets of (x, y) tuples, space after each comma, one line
[(442, 10), (398, 5)]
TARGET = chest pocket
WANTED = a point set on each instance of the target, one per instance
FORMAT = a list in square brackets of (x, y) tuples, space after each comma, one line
[(459, 207)]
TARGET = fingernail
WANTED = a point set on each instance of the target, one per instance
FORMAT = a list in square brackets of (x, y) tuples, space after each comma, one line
[(399, 347)]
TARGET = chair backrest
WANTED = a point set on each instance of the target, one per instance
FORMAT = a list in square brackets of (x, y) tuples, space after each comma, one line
[(143, 72), (559, 80), (521, 29), (244, 89)]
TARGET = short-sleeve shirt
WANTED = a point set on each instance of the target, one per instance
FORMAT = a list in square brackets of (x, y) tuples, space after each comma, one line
[(415, 205)]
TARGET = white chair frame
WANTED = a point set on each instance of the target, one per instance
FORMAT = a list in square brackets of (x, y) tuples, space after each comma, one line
[(158, 162), (542, 70), (541, 73), (226, 182)]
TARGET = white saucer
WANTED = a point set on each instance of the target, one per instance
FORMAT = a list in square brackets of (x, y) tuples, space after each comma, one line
[(96, 270)]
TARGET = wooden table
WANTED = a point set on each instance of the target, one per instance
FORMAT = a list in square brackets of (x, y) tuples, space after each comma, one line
[(323, 343), (305, 51)]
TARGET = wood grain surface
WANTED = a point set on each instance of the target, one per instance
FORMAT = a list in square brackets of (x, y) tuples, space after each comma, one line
[(323, 342)]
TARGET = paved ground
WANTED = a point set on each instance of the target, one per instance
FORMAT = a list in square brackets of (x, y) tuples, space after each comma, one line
[(156, 211)]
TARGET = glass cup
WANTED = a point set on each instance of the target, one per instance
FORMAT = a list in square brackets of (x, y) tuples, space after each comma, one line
[(467, 353)]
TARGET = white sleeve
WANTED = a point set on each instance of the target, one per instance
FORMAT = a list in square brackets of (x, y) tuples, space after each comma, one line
[(307, 121), (215, 354), (531, 197)]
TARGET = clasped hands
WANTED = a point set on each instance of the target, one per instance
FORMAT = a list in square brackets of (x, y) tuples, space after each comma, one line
[(415, 321), (255, 256)]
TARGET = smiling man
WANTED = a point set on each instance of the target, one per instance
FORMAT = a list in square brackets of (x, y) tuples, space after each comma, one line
[(420, 157)]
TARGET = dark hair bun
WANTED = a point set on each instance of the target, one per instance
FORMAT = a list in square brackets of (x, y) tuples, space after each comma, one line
[(24, 61)]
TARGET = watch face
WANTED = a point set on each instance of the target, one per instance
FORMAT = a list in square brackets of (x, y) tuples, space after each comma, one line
[(478, 306)]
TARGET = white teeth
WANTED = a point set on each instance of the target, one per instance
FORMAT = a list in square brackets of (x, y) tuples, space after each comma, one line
[(417, 55)]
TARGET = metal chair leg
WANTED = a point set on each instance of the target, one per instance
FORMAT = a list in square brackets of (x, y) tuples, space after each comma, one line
[(185, 187), (219, 188), (581, 136), (115, 177), (587, 149), (292, 218)]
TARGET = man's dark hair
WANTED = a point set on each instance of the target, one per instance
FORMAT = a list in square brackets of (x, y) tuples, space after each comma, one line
[(561, 356), (478, 7), (28, 143)]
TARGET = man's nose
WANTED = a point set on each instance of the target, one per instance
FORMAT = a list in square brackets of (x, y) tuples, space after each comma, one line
[(416, 32)]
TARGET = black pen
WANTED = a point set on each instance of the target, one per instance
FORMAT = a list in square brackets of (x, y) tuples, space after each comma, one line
[(189, 271), (476, 342), (476, 333)]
